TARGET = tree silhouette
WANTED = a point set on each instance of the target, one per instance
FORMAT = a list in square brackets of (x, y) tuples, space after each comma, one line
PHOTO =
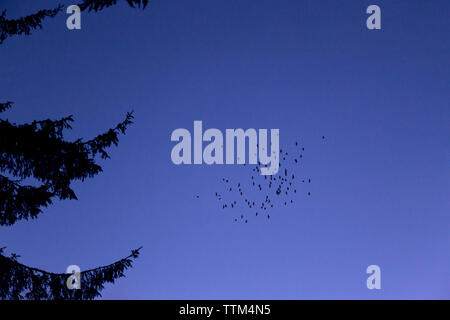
[(39, 151), (26, 24)]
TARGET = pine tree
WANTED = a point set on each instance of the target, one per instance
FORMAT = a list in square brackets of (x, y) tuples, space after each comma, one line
[(38, 150), (24, 25)]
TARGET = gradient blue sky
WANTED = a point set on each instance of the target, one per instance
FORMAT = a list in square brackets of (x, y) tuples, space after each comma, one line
[(380, 191)]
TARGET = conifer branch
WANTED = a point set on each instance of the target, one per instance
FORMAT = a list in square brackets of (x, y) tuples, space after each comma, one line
[(5, 106), (97, 5), (18, 281), (24, 25), (38, 150)]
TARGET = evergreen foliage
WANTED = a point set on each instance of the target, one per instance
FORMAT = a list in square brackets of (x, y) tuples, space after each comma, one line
[(38, 151)]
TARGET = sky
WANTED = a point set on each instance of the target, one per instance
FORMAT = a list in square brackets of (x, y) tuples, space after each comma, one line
[(380, 179)]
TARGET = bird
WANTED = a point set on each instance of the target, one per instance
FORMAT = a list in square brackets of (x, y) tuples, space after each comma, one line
[(258, 191)]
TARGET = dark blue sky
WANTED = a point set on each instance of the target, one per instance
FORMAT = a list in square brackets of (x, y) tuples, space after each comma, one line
[(379, 193)]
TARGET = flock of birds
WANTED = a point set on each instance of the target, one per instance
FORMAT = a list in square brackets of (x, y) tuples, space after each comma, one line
[(260, 194)]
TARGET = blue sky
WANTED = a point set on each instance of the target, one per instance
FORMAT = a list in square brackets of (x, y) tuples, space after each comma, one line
[(380, 179)]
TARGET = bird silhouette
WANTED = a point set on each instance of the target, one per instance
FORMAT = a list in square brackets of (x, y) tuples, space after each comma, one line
[(266, 192)]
